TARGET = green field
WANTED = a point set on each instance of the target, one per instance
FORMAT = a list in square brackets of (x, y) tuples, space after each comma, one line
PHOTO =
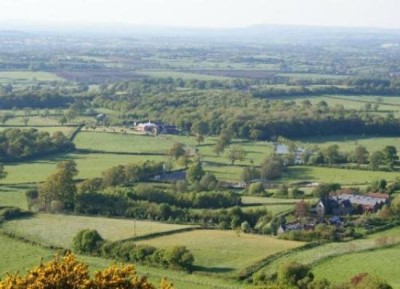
[(50, 129), (273, 209), (117, 142), (332, 250), (265, 200), (381, 262), (13, 196), (224, 251), (27, 76), (179, 74), (89, 166), (349, 142), (20, 256), (59, 230), (333, 175)]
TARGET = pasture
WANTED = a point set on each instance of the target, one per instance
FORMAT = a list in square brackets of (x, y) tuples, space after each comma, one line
[(18, 256), (224, 251), (27, 76), (118, 142), (180, 74), (381, 262), (13, 196), (318, 255), (50, 129), (334, 175), (89, 166), (348, 143), (59, 230)]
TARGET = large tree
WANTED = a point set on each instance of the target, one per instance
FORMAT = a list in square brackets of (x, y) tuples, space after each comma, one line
[(236, 153), (272, 167), (60, 186), (390, 156), (360, 155)]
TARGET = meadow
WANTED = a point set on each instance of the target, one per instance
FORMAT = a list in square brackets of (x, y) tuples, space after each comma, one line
[(18, 256), (50, 129), (381, 262), (334, 175), (348, 143), (27, 76), (214, 253), (329, 251), (59, 230), (89, 166)]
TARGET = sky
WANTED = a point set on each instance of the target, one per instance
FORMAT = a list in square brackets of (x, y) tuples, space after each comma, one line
[(207, 13)]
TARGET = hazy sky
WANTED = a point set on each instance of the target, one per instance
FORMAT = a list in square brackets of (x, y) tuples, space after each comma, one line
[(208, 13)]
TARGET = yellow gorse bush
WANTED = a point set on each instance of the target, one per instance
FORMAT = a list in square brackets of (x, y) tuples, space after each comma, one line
[(68, 273)]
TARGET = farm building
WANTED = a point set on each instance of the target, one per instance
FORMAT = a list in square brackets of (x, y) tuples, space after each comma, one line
[(345, 204), (146, 127), (283, 150)]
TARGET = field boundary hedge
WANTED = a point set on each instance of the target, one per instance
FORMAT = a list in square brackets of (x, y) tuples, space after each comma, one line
[(162, 234)]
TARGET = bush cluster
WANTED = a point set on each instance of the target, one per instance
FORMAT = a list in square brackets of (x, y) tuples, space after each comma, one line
[(90, 242)]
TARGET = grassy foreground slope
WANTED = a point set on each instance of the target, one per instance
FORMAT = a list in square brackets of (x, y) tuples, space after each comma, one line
[(19, 256), (382, 262), (59, 230)]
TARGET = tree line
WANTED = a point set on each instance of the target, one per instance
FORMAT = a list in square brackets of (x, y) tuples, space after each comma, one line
[(17, 144)]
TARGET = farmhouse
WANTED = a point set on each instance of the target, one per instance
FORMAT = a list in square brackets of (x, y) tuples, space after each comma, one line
[(290, 227), (283, 150), (346, 203), (146, 127)]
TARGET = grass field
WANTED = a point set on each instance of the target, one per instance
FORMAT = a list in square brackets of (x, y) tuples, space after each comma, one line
[(382, 263), (350, 142), (273, 209), (332, 250), (89, 166), (50, 129), (13, 196), (26, 75), (224, 251), (265, 200), (33, 121), (333, 175), (59, 230), (20, 256), (179, 74), (115, 142)]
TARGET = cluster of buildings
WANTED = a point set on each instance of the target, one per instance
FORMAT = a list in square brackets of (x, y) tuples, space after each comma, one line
[(150, 127), (347, 203), (335, 206)]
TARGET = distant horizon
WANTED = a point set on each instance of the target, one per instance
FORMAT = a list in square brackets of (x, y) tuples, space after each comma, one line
[(202, 14), (27, 25)]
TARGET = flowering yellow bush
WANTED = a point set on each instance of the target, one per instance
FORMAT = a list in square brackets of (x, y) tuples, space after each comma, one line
[(68, 273)]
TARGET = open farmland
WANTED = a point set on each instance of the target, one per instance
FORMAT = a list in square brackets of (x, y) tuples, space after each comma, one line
[(89, 166), (224, 251), (349, 142), (20, 256), (27, 76), (50, 129), (117, 142), (381, 262), (334, 175), (59, 230), (319, 254)]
